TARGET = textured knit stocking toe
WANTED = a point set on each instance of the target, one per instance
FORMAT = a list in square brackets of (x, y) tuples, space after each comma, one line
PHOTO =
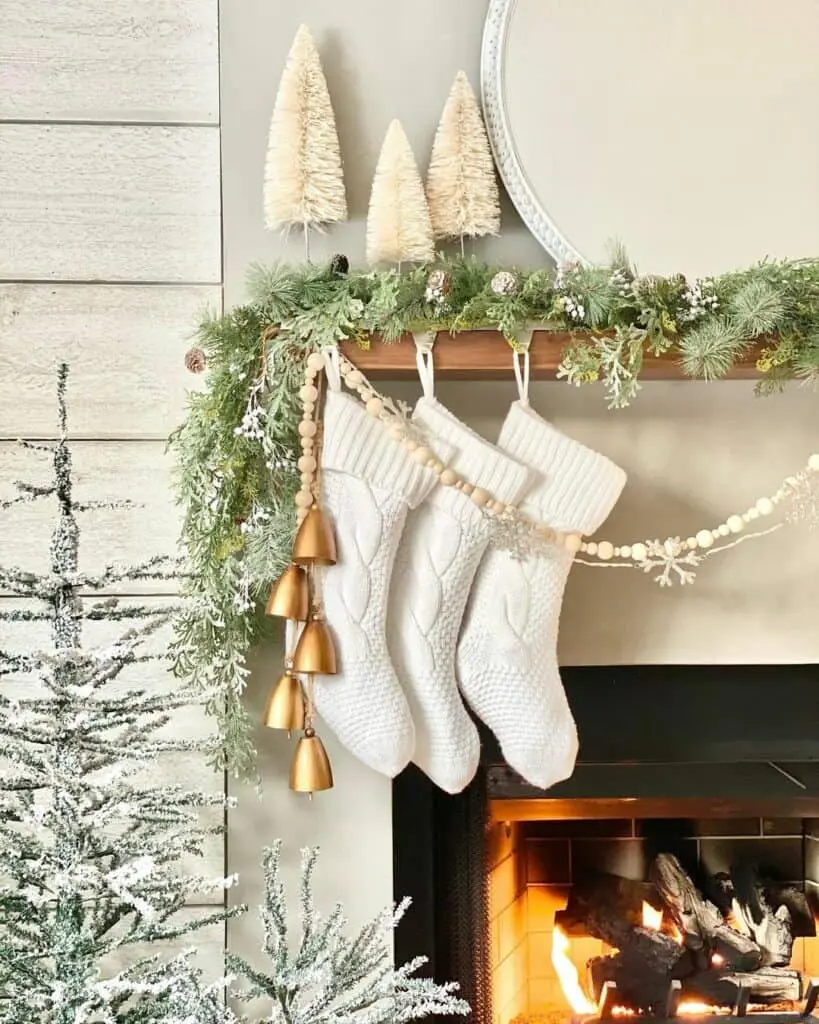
[(507, 656), (443, 543), (368, 484)]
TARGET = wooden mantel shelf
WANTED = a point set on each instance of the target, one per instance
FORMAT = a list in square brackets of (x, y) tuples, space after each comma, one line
[(485, 355)]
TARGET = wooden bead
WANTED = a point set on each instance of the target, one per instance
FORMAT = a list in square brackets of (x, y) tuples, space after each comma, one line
[(309, 393), (591, 547), (308, 408), (307, 464), (625, 551), (639, 552), (307, 444), (354, 379), (375, 406), (449, 478), (764, 506), (723, 530), (421, 455), (752, 513), (572, 542), (691, 543), (715, 534), (735, 524), (307, 428), (467, 487), (704, 539), (436, 466), (480, 496), (605, 550), (410, 444), (315, 362), (306, 481), (497, 507), (304, 499)]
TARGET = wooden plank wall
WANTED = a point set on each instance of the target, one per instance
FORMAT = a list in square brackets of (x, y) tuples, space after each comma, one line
[(110, 246)]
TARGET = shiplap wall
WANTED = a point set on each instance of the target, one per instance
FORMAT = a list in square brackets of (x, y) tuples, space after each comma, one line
[(110, 246)]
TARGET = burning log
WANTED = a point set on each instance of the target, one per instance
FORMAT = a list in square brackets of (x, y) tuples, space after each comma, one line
[(638, 986), (753, 915), (610, 910), (766, 986), (704, 930)]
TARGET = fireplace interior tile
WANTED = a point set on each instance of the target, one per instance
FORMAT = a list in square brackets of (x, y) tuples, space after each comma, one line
[(778, 858), (547, 860)]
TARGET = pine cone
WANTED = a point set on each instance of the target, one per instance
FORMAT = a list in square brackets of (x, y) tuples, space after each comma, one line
[(195, 361), (339, 265)]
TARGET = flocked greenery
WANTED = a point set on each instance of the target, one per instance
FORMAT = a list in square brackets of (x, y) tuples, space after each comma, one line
[(236, 452), (329, 976)]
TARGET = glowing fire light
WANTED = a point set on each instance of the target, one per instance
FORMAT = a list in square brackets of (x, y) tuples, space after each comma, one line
[(652, 918), (676, 935), (717, 960), (623, 1011), (691, 1008), (567, 975)]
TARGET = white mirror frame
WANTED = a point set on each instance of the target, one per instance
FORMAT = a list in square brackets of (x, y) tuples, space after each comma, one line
[(536, 219)]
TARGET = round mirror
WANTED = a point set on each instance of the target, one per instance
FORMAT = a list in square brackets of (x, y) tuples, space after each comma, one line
[(688, 132)]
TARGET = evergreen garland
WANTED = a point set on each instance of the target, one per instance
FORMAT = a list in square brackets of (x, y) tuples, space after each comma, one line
[(236, 453)]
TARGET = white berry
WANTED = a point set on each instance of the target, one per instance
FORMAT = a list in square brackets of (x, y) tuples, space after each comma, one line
[(735, 524), (704, 539)]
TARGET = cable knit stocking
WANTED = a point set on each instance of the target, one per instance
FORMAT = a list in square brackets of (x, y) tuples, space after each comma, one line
[(507, 656), (443, 543), (368, 484)]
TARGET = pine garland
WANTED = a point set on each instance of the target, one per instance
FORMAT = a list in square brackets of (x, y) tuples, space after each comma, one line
[(236, 453)]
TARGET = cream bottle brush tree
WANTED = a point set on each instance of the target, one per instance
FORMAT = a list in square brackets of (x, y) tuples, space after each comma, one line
[(303, 178), (399, 228), (462, 190)]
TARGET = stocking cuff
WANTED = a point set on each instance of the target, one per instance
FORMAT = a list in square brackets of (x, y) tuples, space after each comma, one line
[(474, 459), (359, 444), (576, 487)]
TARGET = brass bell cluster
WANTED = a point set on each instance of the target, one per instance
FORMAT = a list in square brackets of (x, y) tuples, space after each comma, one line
[(294, 597)]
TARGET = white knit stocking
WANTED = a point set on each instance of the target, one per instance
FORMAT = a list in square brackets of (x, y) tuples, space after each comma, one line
[(443, 543), (507, 656), (368, 483)]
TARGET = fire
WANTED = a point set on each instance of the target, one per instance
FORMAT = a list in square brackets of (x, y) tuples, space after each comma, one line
[(567, 975), (652, 918), (691, 1008), (717, 960), (676, 934)]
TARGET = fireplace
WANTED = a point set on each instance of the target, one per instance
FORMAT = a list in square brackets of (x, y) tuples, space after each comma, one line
[(675, 875)]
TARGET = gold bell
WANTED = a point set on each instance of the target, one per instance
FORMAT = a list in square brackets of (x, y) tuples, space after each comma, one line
[(315, 543), (290, 595), (315, 652), (285, 705), (310, 771)]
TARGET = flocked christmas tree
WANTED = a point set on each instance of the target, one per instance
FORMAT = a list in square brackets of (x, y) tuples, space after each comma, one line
[(398, 224), (89, 850), (462, 190), (303, 180), (329, 976)]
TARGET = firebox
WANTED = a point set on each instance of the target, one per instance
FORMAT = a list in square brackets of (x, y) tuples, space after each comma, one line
[(675, 875)]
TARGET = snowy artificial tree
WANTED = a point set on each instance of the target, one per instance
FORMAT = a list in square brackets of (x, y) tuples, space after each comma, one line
[(303, 178), (398, 223), (90, 851), (329, 976), (462, 189)]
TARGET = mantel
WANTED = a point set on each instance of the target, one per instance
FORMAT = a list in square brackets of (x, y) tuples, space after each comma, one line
[(485, 355)]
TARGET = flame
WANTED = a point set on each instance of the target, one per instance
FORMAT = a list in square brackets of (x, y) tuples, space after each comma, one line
[(717, 960), (623, 1011), (567, 974), (691, 1008), (676, 934), (652, 918)]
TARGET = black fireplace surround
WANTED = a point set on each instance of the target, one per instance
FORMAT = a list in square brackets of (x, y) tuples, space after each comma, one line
[(656, 742)]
